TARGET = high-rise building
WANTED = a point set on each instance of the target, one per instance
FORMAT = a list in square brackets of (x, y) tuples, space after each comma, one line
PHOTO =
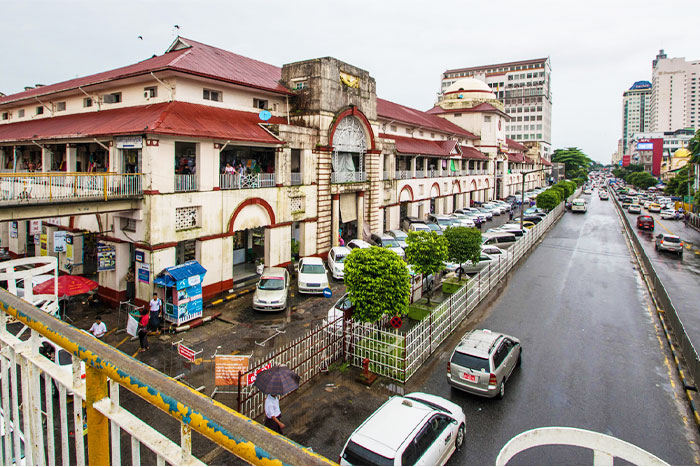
[(675, 95), (524, 87), (636, 115)]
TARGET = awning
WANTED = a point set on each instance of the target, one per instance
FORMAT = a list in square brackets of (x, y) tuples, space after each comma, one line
[(170, 277), (348, 207), (168, 118)]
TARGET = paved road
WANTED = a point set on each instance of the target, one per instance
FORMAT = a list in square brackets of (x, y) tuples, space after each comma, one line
[(680, 276), (592, 354)]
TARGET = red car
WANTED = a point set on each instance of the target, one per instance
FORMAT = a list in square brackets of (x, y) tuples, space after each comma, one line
[(645, 222)]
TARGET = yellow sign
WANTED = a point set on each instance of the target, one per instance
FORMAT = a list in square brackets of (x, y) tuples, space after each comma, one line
[(349, 80), (43, 248)]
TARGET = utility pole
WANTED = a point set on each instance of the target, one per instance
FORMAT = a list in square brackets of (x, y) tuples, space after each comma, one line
[(522, 194)]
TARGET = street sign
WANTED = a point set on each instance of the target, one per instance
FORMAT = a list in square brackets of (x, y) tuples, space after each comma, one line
[(396, 322), (186, 352), (327, 292)]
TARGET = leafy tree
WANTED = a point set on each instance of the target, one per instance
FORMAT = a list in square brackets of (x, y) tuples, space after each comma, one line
[(463, 244), (568, 189), (579, 181), (642, 180), (678, 185), (694, 148), (561, 191), (378, 282), (576, 163), (426, 253), (548, 199)]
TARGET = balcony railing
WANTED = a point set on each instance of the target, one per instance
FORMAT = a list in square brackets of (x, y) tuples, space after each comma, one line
[(296, 178), (186, 182), (37, 187), (242, 182), (348, 177), (403, 174), (386, 175)]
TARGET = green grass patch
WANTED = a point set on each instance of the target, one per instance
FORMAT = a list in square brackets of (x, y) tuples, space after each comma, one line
[(451, 285)]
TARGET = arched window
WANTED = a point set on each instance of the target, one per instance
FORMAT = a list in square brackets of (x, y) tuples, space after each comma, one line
[(349, 147)]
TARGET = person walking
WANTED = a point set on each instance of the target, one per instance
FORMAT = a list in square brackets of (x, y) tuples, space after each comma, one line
[(143, 331), (98, 328), (156, 313), (273, 413)]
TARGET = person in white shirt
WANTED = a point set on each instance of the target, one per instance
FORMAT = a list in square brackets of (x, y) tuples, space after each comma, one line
[(98, 328), (273, 413)]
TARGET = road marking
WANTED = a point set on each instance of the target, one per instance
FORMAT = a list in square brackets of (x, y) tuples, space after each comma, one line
[(110, 332), (664, 227), (135, 354), (122, 341), (216, 302)]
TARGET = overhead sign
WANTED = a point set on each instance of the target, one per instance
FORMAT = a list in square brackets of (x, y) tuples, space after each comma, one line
[(186, 352), (228, 367), (127, 142)]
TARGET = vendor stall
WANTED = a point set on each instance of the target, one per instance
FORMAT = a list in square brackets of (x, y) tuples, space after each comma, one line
[(182, 294)]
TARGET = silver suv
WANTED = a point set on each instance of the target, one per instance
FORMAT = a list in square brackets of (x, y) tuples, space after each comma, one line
[(483, 361)]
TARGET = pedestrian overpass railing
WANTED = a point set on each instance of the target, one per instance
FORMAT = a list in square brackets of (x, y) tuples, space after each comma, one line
[(39, 426), (40, 187), (605, 448)]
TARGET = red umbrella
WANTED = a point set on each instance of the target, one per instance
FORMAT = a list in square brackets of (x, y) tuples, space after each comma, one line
[(68, 286)]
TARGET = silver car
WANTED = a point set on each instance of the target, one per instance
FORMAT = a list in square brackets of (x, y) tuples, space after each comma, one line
[(400, 237), (672, 243), (271, 291), (483, 361)]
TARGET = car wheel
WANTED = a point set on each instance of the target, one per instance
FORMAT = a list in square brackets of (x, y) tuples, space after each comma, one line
[(502, 389), (459, 440)]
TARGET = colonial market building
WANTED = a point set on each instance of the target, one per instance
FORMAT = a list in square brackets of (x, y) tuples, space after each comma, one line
[(203, 154)]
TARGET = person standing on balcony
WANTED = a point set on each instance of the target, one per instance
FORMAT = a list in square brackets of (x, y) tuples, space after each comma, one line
[(229, 170)]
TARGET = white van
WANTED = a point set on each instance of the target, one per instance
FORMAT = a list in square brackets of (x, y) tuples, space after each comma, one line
[(502, 240), (579, 205)]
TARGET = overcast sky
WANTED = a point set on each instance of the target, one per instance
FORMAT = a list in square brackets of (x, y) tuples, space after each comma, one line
[(597, 48)]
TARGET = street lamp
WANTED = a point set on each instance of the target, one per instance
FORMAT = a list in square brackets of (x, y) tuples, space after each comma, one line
[(522, 193)]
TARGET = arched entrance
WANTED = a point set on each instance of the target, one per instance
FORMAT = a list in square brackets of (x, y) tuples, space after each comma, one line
[(248, 225), (434, 194)]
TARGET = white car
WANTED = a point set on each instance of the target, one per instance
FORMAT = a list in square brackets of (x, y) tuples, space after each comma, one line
[(669, 214), (357, 243), (63, 361), (336, 261), (415, 429), (463, 220), (469, 267), (312, 276), (492, 250), (272, 290)]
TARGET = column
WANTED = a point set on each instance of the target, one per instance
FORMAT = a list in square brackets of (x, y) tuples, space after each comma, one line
[(154, 262), (308, 167), (335, 219), (72, 158), (18, 238), (113, 283), (307, 237), (360, 214), (45, 159), (216, 256), (278, 245), (5, 235), (207, 172), (441, 171), (283, 166), (413, 167)]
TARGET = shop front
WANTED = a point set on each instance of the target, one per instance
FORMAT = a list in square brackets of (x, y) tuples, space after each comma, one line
[(182, 291)]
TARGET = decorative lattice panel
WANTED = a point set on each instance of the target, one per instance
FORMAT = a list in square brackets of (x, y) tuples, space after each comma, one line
[(296, 204), (186, 218)]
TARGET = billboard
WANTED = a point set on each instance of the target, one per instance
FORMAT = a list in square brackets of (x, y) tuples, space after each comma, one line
[(645, 146), (626, 160)]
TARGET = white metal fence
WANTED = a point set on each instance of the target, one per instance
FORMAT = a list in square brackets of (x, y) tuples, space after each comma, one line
[(241, 182), (43, 187)]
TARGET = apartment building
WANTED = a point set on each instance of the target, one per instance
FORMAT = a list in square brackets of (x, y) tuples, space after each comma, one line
[(675, 99), (235, 161), (636, 110), (525, 89)]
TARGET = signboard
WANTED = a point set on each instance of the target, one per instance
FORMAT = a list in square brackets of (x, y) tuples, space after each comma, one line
[(251, 376), (645, 146), (34, 227), (144, 273), (37, 239), (59, 241), (227, 368), (69, 247), (43, 242), (139, 256), (194, 280), (625, 160), (14, 229), (186, 352), (106, 257), (126, 142)]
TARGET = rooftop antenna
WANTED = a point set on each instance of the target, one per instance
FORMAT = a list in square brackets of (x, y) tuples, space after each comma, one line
[(140, 37), (176, 30)]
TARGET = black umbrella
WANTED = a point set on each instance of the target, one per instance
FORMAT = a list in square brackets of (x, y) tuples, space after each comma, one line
[(277, 381)]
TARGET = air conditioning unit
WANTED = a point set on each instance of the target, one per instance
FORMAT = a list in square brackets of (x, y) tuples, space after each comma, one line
[(146, 94)]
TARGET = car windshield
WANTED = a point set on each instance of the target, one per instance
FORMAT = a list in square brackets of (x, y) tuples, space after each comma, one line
[(389, 243), (444, 221), (339, 258), (355, 454), (400, 236), (672, 239), (312, 269), (433, 226), (271, 283), (470, 361)]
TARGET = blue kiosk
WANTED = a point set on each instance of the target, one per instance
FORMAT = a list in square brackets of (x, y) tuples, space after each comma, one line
[(182, 287)]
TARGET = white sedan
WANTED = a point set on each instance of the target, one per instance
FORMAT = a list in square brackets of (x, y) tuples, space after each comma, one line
[(312, 275), (336, 261), (670, 214)]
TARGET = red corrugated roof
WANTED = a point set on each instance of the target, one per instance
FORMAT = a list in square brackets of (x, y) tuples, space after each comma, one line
[(423, 147), (545, 162), (515, 145), (392, 111), (469, 152), (199, 59), (515, 157), (169, 118)]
